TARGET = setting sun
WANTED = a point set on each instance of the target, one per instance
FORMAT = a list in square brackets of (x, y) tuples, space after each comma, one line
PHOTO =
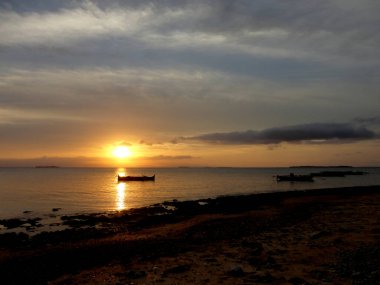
[(122, 152)]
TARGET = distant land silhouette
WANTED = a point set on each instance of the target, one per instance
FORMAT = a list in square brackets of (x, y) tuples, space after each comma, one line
[(322, 166), (46, 166)]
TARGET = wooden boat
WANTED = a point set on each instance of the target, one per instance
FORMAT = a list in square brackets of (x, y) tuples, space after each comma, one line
[(136, 178), (293, 178)]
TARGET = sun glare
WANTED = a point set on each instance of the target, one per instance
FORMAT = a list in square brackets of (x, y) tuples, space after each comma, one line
[(122, 152)]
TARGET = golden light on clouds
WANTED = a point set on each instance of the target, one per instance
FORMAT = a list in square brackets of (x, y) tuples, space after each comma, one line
[(199, 98)]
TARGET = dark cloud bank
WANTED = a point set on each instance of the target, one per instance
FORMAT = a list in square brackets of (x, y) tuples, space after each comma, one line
[(313, 133)]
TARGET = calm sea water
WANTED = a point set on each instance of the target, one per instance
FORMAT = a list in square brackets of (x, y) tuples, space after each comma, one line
[(85, 190)]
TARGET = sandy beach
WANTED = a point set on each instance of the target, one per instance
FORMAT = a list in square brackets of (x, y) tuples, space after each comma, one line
[(328, 236)]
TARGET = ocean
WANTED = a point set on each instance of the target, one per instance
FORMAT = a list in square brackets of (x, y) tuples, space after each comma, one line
[(37, 191)]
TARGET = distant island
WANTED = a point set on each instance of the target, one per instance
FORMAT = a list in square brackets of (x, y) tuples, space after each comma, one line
[(322, 166), (46, 166)]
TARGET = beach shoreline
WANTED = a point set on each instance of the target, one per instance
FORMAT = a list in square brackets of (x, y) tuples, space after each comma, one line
[(33, 224), (273, 238)]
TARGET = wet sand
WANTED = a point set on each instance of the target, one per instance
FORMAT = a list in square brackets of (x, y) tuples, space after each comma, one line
[(328, 236)]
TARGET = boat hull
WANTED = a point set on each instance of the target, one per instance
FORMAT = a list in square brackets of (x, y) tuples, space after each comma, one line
[(295, 178), (136, 178)]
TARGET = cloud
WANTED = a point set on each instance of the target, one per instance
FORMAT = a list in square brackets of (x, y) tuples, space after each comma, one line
[(22, 116), (84, 161), (345, 31), (57, 161), (87, 70), (66, 25), (122, 143), (314, 133), (171, 157)]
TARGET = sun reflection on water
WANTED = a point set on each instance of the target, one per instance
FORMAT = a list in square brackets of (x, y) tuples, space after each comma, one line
[(121, 172), (120, 197)]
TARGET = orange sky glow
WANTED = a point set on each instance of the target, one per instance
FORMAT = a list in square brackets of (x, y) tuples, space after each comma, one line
[(199, 83)]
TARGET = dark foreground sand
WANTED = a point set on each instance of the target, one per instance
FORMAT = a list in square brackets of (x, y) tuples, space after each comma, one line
[(327, 236)]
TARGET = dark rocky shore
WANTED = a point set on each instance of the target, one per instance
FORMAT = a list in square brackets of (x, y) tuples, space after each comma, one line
[(325, 236)]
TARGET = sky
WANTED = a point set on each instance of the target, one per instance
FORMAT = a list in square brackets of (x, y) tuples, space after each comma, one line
[(246, 83)]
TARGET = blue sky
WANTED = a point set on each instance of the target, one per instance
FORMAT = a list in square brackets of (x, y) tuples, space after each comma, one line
[(80, 76)]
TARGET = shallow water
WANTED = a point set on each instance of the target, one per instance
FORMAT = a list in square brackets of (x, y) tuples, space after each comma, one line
[(86, 190)]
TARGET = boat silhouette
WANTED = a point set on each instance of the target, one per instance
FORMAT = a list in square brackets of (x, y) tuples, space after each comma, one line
[(136, 178)]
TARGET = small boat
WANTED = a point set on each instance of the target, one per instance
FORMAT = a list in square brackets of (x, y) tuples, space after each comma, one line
[(293, 178), (136, 178)]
